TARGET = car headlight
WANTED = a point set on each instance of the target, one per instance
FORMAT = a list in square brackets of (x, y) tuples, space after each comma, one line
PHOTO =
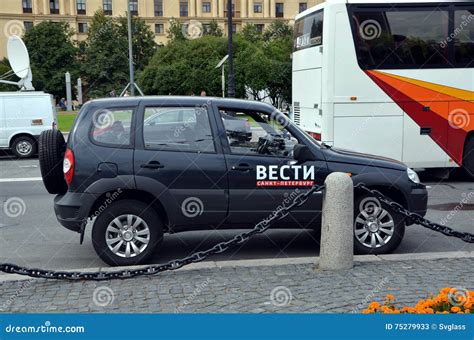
[(413, 176)]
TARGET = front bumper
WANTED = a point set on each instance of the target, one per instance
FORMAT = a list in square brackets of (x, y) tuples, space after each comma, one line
[(72, 209), (418, 201)]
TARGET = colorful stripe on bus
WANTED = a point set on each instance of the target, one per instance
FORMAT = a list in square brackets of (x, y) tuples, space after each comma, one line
[(447, 111)]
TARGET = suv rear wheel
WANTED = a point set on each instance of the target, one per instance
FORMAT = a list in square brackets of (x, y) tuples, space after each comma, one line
[(24, 146), (126, 233), (377, 229)]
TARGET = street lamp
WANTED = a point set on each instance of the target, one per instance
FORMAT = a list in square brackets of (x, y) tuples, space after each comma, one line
[(221, 65), (230, 51)]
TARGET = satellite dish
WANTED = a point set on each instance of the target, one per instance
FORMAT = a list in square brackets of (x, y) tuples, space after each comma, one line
[(18, 56), (20, 63)]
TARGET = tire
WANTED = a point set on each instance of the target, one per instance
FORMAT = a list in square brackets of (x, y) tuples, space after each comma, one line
[(107, 235), (51, 154), (372, 218), (468, 159), (24, 147)]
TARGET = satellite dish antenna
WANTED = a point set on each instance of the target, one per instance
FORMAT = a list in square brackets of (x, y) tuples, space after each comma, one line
[(20, 63)]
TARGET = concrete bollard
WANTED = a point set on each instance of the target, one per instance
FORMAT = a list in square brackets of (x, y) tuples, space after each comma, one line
[(337, 243)]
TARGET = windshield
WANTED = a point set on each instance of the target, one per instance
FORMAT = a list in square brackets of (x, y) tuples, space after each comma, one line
[(309, 31)]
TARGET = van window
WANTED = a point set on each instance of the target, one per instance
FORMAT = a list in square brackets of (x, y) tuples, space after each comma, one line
[(112, 126), (400, 37), (309, 31)]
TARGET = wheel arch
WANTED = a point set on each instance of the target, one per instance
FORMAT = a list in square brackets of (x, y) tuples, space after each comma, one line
[(106, 199), (20, 134)]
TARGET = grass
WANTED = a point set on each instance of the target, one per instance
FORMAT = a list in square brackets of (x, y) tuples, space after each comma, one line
[(65, 120)]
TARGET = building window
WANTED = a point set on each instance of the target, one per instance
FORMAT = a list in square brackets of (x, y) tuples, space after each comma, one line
[(134, 7), (303, 6), (158, 8), (27, 6), (81, 7), (183, 9), (206, 7), (82, 27), (279, 9), (28, 25), (259, 27), (159, 29), (107, 4), (54, 6), (234, 28), (257, 7)]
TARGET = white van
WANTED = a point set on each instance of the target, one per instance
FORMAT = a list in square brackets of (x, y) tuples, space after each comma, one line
[(23, 116)]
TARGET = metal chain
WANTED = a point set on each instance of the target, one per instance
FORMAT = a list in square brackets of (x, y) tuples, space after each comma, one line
[(199, 256), (417, 218)]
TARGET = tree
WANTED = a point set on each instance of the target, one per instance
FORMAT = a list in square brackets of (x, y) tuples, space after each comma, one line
[(7, 74), (105, 59), (278, 30), (175, 31), (250, 33), (214, 29), (52, 54)]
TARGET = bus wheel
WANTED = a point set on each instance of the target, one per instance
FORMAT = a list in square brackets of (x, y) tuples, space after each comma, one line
[(468, 162)]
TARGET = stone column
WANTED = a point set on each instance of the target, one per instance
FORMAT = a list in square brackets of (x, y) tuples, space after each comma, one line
[(199, 8), (192, 8), (243, 8), (272, 8), (222, 5), (214, 9), (266, 9)]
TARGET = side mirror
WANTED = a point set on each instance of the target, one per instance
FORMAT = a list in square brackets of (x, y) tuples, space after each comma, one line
[(302, 153)]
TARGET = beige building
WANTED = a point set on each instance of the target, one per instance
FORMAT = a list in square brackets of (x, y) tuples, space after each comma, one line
[(18, 15)]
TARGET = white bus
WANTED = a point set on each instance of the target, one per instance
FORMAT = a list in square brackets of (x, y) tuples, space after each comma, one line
[(389, 78)]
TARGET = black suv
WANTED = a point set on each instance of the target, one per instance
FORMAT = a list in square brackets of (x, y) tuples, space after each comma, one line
[(141, 167)]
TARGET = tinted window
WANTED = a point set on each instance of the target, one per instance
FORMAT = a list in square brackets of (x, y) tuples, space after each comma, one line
[(463, 36), (112, 127), (177, 129), (392, 38), (309, 31)]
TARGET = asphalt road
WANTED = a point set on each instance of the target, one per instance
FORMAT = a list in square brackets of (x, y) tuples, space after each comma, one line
[(34, 238)]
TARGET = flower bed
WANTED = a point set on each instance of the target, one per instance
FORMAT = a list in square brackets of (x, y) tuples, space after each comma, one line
[(449, 300)]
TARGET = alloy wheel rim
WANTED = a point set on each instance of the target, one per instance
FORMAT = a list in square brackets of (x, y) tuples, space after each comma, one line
[(374, 229), (127, 236), (24, 148)]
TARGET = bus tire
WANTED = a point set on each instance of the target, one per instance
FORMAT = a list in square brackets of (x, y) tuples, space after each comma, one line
[(468, 159)]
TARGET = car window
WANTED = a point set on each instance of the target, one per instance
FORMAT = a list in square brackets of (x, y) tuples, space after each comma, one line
[(254, 133), (177, 129), (112, 126)]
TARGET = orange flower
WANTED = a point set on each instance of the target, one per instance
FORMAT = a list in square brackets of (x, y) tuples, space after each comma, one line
[(455, 309), (374, 305), (429, 310), (390, 297), (445, 290)]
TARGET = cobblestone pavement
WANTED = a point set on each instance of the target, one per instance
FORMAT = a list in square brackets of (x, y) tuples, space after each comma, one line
[(258, 289)]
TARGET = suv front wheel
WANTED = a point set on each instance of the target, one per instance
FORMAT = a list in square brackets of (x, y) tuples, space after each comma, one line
[(377, 229), (126, 233)]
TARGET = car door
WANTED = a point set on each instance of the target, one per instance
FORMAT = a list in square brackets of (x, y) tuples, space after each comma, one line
[(262, 182), (178, 161)]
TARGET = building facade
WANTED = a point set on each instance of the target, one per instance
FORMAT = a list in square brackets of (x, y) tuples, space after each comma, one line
[(16, 16)]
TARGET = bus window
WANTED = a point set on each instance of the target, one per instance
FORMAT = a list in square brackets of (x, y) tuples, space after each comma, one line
[(309, 31), (464, 37), (401, 38)]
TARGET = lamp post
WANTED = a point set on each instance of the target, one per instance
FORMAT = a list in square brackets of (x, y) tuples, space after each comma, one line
[(230, 52), (221, 64), (130, 50)]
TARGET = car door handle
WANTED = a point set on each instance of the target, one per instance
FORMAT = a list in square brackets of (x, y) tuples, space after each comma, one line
[(242, 167), (152, 165)]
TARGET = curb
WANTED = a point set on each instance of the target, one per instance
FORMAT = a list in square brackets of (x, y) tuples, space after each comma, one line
[(272, 262)]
